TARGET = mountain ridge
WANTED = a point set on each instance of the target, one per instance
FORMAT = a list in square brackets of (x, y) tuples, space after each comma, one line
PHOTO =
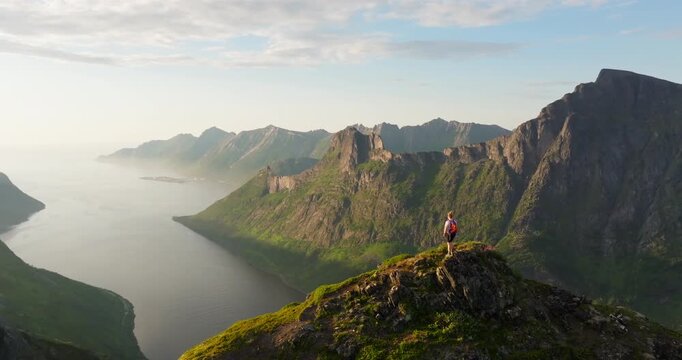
[(240, 156), (433, 135)]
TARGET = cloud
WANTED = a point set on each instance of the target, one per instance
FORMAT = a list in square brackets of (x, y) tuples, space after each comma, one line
[(297, 32), (465, 13), (317, 49), (627, 32), (448, 49), (25, 49), (477, 13)]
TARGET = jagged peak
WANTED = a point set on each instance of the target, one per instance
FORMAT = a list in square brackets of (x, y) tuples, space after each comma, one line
[(351, 147), (364, 129), (353, 136)]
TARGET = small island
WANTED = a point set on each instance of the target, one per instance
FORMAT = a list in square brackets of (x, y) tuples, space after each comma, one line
[(166, 179)]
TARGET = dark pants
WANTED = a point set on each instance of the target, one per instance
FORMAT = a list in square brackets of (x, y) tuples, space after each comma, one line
[(450, 237)]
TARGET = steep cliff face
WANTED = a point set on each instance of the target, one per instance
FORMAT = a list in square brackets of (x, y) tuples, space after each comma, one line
[(15, 206), (466, 306), (585, 195), (604, 199)]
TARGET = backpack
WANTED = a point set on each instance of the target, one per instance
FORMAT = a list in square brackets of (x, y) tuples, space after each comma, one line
[(453, 227)]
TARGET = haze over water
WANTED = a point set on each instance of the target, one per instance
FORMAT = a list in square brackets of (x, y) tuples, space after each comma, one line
[(106, 227)]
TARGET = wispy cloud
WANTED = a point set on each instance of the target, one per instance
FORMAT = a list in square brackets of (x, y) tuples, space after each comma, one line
[(628, 32), (315, 49), (25, 49), (298, 32), (477, 13)]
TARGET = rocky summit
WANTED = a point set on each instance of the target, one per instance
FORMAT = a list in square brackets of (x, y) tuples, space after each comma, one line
[(467, 306)]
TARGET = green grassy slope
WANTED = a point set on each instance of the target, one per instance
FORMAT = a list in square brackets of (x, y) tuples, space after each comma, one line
[(51, 306)]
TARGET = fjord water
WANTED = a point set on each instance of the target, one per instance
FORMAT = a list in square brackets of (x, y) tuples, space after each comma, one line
[(106, 227)]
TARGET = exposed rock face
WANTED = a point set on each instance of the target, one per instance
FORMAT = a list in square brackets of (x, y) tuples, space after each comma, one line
[(351, 148), (468, 306), (479, 288), (282, 183), (15, 205)]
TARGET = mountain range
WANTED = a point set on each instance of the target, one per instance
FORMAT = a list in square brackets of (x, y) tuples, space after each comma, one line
[(586, 196), (225, 155), (44, 315), (434, 135)]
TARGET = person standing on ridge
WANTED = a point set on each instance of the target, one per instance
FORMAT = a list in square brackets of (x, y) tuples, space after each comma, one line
[(450, 231)]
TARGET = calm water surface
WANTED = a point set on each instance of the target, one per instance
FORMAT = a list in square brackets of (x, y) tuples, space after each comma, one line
[(106, 227)]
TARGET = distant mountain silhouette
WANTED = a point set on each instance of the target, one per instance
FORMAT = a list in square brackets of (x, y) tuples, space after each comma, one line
[(219, 154), (434, 135)]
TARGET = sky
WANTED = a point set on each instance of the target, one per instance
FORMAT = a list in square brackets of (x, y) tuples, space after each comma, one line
[(127, 71)]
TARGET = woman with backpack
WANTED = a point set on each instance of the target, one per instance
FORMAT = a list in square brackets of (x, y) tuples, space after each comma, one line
[(450, 231)]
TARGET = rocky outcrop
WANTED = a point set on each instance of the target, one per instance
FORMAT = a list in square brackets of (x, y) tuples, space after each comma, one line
[(350, 147), (281, 183), (467, 306)]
